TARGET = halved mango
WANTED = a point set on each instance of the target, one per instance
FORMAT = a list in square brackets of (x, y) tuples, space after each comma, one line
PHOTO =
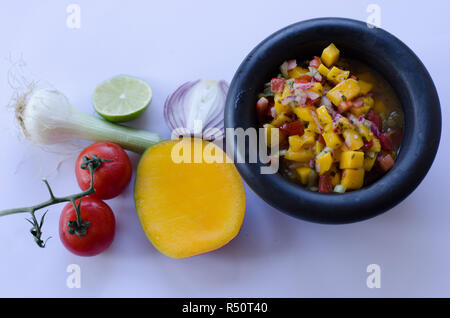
[(186, 208)]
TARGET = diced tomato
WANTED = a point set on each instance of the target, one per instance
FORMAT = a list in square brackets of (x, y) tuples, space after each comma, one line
[(321, 140), (375, 118), (358, 102), (277, 85), (325, 185), (354, 77), (385, 162), (315, 62), (367, 146), (292, 128), (261, 109), (303, 79), (386, 142), (344, 106), (311, 102)]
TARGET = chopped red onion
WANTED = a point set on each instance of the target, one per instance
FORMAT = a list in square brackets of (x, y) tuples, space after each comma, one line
[(284, 68), (291, 64), (302, 86)]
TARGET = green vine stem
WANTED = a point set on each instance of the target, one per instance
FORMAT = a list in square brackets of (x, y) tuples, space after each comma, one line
[(77, 226)]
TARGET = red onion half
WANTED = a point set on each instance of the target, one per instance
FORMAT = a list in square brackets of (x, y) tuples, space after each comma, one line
[(197, 109)]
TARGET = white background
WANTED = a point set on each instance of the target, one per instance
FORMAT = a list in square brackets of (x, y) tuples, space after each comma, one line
[(170, 42)]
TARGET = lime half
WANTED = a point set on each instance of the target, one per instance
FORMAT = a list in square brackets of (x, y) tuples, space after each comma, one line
[(122, 98)]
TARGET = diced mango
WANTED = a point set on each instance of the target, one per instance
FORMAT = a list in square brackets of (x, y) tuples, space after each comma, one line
[(365, 87), (365, 132), (358, 111), (309, 138), (317, 88), (323, 70), (323, 163), (345, 90), (323, 115), (303, 155), (312, 127), (332, 140), (279, 106), (336, 75), (304, 113), (344, 123), (328, 127), (318, 147), (369, 162), (280, 119), (344, 148), (376, 147), (352, 159), (330, 55), (335, 176), (353, 179), (353, 139), (296, 72), (296, 142), (337, 153), (368, 101), (380, 107), (303, 173)]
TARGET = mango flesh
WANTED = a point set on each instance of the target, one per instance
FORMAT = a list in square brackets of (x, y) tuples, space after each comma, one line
[(188, 209)]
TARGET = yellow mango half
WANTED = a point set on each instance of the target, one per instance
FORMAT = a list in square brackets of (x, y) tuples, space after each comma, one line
[(186, 208)]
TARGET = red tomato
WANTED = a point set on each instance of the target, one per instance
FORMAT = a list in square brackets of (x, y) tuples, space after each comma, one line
[(386, 162), (303, 79), (358, 102), (277, 85), (375, 118), (311, 102), (293, 128), (344, 106), (112, 177), (315, 62), (386, 142), (99, 234), (325, 185), (367, 146), (321, 140)]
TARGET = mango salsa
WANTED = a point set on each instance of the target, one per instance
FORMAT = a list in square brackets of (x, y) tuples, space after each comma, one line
[(340, 122)]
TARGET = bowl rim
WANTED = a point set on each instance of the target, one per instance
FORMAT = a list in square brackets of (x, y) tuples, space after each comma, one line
[(419, 146)]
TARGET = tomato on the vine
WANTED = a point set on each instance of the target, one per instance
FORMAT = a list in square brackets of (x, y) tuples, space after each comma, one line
[(99, 231), (112, 177)]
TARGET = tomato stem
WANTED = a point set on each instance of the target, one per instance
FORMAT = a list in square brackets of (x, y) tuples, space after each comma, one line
[(78, 226)]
